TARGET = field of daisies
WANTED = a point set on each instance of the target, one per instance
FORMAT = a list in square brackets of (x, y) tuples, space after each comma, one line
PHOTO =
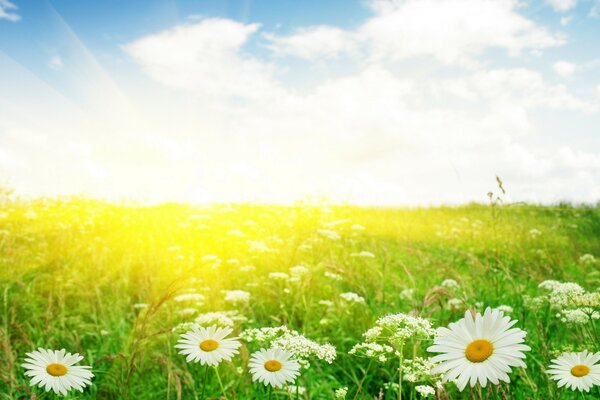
[(107, 301)]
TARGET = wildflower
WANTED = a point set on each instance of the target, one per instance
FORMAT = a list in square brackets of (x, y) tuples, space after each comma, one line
[(188, 311), (578, 316), (450, 284), (417, 369), (298, 271), (561, 294), (279, 276), (329, 234), (247, 268), (292, 389), (299, 346), (407, 294), (505, 309), (258, 246), (352, 298), (273, 367), (237, 297), (333, 276), (340, 394), (398, 328), (55, 370), (236, 233), (425, 390), (220, 318), (363, 254), (534, 233), (189, 297), (371, 350), (577, 371), (209, 346), (326, 303), (455, 304), (587, 259), (479, 348)]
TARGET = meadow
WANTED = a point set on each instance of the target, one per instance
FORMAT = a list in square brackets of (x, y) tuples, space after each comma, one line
[(119, 284)]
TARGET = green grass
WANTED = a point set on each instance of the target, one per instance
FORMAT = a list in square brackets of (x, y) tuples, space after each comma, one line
[(71, 272)]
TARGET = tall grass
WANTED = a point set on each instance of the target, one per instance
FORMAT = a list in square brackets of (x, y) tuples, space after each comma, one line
[(100, 279)]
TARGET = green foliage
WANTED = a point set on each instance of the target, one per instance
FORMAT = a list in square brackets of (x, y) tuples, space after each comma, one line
[(72, 271)]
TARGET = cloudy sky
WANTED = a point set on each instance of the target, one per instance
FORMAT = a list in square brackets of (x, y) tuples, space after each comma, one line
[(408, 102)]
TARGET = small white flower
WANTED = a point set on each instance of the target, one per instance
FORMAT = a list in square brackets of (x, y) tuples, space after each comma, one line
[(273, 367), (577, 371), (450, 284), (55, 370), (189, 297), (208, 346), (425, 390), (279, 276), (352, 298), (407, 294), (363, 254), (329, 234), (236, 297), (505, 309), (340, 394)]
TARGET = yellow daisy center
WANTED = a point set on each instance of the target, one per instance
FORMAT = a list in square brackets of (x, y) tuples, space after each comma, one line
[(209, 345), (273, 365), (580, 370), (479, 350), (56, 369)]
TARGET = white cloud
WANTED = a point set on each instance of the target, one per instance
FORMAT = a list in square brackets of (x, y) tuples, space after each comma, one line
[(5, 13), (564, 68), (227, 125), (564, 21), (204, 57), (314, 42), (56, 63), (562, 5), (452, 31), (518, 87), (595, 10)]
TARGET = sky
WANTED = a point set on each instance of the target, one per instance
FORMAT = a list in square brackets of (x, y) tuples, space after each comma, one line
[(371, 102)]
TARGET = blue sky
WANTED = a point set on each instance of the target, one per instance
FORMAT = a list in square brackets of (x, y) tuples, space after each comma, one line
[(371, 102)]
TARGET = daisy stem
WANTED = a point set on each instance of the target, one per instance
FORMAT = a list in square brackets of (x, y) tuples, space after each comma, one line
[(220, 383), (270, 391), (401, 358), (204, 382)]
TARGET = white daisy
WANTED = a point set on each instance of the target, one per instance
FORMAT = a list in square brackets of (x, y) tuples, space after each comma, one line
[(273, 367), (479, 348), (208, 345), (55, 370), (577, 371)]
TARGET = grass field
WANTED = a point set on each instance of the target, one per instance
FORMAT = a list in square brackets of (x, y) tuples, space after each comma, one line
[(119, 283)]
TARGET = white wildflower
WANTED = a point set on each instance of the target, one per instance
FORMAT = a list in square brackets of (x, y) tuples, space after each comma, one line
[(351, 297)]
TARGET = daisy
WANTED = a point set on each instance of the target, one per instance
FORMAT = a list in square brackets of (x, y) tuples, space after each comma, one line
[(55, 370), (273, 367), (577, 371), (208, 345), (479, 348)]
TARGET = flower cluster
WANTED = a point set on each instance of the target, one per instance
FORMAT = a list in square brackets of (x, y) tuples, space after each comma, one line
[(237, 297), (574, 304), (291, 341), (351, 297)]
